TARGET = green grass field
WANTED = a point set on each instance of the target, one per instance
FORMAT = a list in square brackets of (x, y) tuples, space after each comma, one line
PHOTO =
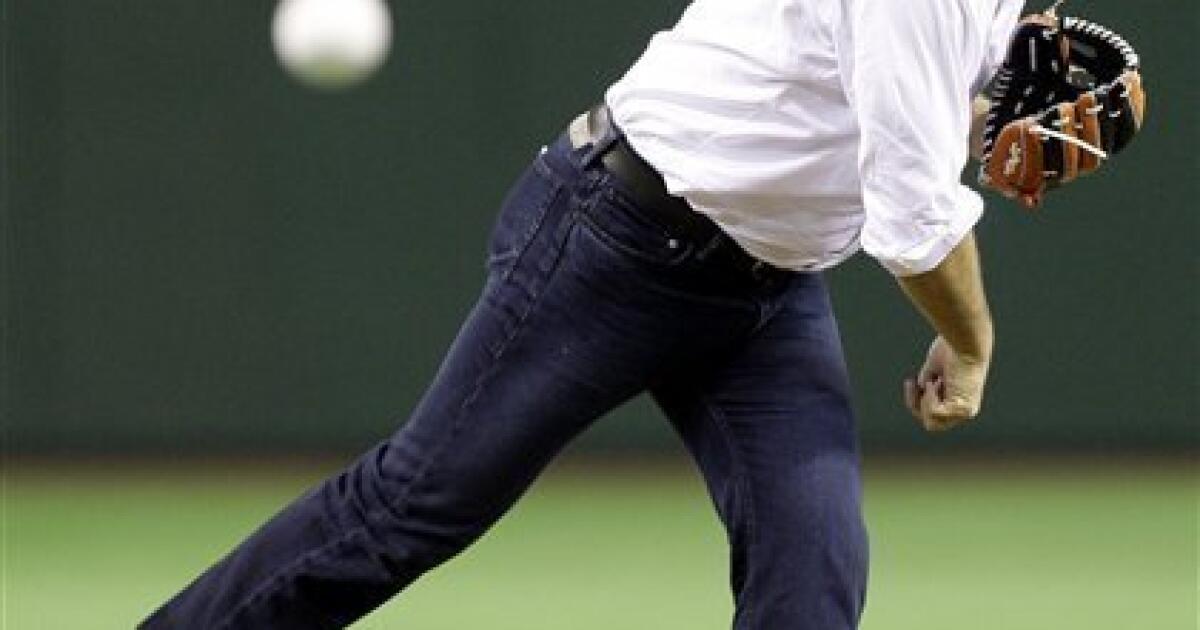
[(956, 546)]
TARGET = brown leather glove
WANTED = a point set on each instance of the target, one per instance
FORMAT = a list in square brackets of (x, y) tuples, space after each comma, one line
[(1068, 96)]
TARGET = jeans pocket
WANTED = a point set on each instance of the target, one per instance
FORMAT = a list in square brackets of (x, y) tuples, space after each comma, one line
[(624, 229), (521, 215)]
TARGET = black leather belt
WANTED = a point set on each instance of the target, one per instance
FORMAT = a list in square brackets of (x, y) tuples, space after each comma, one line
[(646, 188), (643, 184)]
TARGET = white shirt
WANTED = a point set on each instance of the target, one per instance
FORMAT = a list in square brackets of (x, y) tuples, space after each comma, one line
[(810, 128)]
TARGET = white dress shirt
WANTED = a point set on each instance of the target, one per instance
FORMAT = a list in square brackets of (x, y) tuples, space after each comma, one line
[(810, 128)]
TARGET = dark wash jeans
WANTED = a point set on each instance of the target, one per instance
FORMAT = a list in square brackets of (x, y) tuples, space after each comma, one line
[(587, 303)]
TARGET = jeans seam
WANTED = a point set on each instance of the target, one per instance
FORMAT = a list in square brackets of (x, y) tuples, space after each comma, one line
[(529, 236), (744, 500), (394, 505)]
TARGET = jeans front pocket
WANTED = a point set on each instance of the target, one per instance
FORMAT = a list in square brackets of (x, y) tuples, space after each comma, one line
[(627, 230)]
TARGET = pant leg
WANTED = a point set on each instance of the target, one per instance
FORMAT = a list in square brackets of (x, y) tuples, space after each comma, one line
[(575, 318), (772, 430)]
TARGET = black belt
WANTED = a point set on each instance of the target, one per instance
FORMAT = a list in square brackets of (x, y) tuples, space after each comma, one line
[(646, 188), (643, 183)]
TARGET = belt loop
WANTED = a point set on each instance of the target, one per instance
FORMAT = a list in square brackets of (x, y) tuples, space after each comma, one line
[(599, 118), (706, 249), (760, 271)]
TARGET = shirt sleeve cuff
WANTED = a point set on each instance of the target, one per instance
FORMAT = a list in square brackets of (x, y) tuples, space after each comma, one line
[(966, 207)]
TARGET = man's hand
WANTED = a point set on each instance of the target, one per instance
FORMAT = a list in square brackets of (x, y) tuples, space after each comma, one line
[(949, 388)]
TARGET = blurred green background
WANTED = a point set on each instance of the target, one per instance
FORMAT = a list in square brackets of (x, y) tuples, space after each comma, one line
[(207, 269), (205, 255), (1001, 546)]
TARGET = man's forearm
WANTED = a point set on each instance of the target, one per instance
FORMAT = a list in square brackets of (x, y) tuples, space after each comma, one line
[(952, 298), (979, 112)]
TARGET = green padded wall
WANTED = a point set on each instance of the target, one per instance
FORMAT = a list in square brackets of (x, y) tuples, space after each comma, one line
[(200, 254)]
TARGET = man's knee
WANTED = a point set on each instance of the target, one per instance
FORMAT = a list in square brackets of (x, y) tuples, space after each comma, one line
[(420, 513)]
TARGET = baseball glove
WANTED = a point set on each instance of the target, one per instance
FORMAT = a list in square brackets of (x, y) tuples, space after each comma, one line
[(1068, 96)]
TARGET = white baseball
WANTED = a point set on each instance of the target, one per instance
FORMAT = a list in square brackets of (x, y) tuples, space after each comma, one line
[(331, 44)]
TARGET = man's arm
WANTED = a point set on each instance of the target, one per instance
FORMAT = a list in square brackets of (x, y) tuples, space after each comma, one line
[(979, 112), (915, 113), (949, 388), (913, 105)]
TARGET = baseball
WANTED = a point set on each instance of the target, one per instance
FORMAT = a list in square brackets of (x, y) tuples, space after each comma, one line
[(331, 44)]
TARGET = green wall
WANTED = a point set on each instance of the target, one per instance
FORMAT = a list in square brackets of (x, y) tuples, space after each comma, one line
[(200, 254)]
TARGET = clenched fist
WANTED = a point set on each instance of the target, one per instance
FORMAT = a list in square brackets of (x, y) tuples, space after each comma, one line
[(949, 388)]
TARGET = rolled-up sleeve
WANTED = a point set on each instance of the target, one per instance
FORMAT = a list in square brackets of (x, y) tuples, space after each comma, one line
[(911, 88)]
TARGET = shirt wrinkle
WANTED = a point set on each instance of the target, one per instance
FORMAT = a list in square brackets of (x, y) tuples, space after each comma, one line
[(809, 129)]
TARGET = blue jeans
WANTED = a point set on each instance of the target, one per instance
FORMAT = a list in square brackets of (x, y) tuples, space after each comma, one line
[(588, 302)]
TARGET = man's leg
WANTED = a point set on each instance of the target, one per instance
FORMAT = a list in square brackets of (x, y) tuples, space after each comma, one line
[(561, 334), (772, 431)]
